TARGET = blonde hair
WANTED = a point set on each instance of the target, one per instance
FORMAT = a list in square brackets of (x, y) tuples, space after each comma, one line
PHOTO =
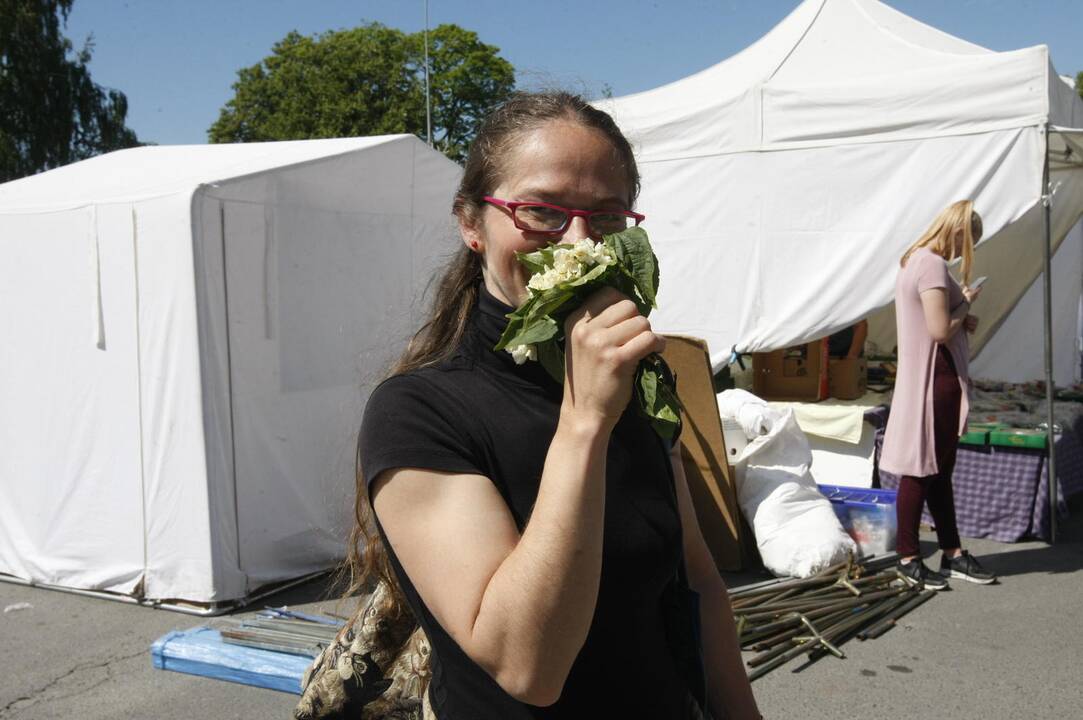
[(940, 237)]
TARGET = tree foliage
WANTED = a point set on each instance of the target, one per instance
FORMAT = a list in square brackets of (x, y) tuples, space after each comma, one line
[(51, 111), (369, 80), (1079, 83)]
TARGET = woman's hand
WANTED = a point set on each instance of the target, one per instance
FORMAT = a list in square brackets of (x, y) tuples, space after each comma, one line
[(606, 339), (970, 323), (971, 294)]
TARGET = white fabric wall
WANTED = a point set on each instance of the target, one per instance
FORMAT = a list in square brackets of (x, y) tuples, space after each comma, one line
[(782, 185), (178, 498), (1011, 257), (323, 266), (1016, 353), (779, 248), (69, 414), (184, 377)]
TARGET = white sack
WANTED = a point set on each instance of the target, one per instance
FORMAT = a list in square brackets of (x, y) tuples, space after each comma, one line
[(796, 530), (749, 411)]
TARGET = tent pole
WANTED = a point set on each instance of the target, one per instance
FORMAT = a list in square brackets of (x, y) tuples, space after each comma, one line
[(1050, 392), (428, 107)]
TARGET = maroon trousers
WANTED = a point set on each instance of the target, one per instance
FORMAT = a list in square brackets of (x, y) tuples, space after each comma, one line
[(935, 490)]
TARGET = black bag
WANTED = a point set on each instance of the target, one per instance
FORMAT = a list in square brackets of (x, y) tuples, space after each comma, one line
[(680, 616)]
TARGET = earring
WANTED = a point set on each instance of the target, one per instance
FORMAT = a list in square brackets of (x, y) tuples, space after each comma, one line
[(474, 245)]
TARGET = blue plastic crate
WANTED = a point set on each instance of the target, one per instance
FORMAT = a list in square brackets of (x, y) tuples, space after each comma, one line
[(867, 515)]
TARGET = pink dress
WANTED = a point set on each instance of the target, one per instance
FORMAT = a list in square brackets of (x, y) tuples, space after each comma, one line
[(909, 445)]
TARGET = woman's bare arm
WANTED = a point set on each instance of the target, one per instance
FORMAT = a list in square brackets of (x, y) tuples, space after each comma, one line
[(729, 692), (506, 599), (941, 322), (521, 606), (857, 345)]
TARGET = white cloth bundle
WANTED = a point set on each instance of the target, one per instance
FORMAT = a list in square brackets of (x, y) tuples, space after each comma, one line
[(796, 529), (748, 410)]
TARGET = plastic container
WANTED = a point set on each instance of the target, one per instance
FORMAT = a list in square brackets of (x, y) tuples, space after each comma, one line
[(974, 437), (1015, 437), (978, 433), (867, 515)]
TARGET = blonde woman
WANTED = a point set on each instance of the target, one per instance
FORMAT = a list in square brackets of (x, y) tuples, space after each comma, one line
[(929, 408)]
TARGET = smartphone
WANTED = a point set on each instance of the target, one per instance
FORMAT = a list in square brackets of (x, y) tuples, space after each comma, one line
[(977, 283)]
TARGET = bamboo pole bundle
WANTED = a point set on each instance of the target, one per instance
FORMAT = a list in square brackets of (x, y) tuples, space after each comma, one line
[(813, 616)]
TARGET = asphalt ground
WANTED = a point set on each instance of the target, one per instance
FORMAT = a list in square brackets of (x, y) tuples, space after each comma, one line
[(1010, 650)]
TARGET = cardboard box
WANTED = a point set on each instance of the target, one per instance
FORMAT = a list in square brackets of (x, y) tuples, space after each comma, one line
[(711, 480), (794, 373), (847, 377)]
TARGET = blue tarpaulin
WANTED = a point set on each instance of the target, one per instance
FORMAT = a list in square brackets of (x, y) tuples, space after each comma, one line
[(201, 651)]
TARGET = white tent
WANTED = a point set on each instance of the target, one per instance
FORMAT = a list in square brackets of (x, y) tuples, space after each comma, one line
[(1014, 354), (189, 336), (782, 185), (1011, 353)]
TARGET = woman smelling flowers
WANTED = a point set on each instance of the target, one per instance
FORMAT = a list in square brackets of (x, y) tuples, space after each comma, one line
[(535, 527)]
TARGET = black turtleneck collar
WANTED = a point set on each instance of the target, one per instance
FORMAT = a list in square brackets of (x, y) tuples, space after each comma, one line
[(486, 326)]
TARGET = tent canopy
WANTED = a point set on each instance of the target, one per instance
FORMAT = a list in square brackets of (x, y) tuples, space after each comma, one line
[(157, 170), (194, 333), (783, 184)]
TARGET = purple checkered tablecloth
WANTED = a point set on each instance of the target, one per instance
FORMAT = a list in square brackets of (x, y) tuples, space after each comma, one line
[(1069, 448), (1002, 493)]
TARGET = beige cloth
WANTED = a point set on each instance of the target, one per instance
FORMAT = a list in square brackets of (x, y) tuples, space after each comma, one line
[(841, 420)]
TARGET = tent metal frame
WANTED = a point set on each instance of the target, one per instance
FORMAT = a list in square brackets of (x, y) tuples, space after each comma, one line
[(1048, 190), (1047, 303), (210, 609)]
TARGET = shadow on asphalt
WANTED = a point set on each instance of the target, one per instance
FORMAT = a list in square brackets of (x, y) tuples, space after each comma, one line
[(1060, 558), (1065, 556), (323, 590)]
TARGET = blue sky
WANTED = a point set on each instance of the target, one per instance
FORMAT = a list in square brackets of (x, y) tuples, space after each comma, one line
[(176, 61)]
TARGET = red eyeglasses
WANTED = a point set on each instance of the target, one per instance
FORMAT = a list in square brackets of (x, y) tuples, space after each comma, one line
[(548, 219)]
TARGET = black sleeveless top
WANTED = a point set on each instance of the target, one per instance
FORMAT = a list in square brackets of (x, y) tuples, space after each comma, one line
[(480, 413)]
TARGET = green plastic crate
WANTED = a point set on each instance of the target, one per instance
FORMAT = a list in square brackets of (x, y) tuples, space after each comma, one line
[(978, 433), (1015, 437), (974, 437)]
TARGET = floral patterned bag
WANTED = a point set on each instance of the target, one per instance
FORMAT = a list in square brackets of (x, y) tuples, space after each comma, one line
[(376, 669)]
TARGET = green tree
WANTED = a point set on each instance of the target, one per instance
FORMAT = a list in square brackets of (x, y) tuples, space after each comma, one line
[(51, 111), (369, 80), (1079, 83)]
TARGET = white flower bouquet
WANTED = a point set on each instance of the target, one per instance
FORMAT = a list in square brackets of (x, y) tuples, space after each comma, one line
[(564, 275)]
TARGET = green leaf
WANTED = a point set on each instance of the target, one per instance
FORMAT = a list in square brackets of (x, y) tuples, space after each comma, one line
[(542, 329), (551, 305), (516, 323), (647, 384), (623, 282), (551, 356), (593, 274), (534, 261), (657, 397), (633, 251)]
